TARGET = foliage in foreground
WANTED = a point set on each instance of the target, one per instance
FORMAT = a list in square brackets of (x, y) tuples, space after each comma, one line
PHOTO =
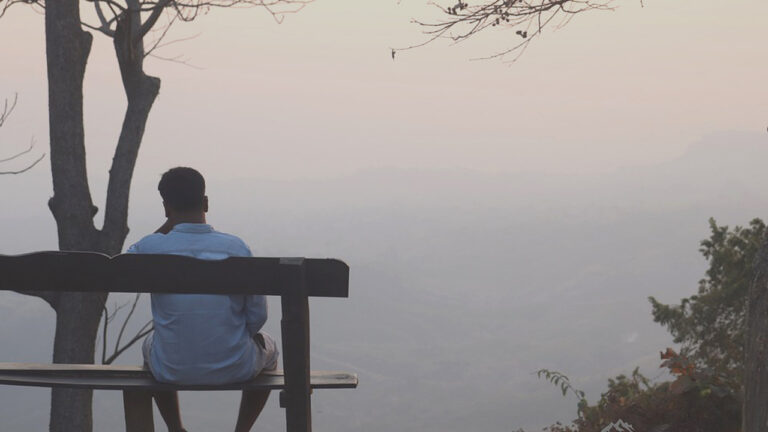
[(711, 325), (693, 402), (705, 395)]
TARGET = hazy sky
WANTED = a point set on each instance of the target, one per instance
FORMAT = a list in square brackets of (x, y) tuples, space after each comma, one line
[(319, 94)]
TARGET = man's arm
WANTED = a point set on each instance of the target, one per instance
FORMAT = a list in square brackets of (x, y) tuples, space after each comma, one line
[(255, 313), (255, 305)]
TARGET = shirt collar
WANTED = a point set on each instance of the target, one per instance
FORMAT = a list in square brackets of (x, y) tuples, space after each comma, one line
[(194, 228)]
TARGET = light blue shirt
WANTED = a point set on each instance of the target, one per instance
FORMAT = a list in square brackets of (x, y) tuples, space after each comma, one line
[(202, 338)]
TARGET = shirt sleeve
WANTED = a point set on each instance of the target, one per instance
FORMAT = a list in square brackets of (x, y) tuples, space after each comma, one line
[(145, 245), (255, 305), (255, 313)]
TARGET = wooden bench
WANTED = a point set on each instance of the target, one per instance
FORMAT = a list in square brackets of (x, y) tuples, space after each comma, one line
[(293, 279)]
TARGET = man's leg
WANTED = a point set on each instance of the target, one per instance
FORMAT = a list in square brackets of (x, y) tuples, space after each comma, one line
[(251, 404), (168, 405), (167, 401)]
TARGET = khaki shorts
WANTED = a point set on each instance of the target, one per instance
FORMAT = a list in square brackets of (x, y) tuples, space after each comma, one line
[(266, 352)]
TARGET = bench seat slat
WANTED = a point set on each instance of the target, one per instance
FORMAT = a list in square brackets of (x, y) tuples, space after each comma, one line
[(107, 377)]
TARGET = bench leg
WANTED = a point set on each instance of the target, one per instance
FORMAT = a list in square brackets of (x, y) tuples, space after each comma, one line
[(295, 330), (138, 411)]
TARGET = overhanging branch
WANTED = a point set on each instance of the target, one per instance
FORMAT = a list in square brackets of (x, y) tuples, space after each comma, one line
[(462, 21)]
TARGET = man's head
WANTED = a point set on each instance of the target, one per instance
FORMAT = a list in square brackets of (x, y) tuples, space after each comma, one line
[(183, 192)]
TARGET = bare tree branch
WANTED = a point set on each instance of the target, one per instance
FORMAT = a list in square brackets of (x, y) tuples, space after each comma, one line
[(179, 59), (145, 330), (6, 112), (188, 11), (23, 170), (105, 322), (118, 349), (184, 10), (125, 322), (164, 31), (153, 17), (21, 153), (108, 317), (527, 17), (10, 3), (106, 25)]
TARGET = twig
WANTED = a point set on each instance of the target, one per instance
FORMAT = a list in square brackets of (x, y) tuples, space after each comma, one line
[(22, 153), (119, 349), (23, 170), (7, 110), (462, 21), (177, 59), (104, 336), (146, 329), (125, 322)]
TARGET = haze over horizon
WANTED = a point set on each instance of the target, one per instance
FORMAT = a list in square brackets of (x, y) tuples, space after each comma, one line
[(460, 284)]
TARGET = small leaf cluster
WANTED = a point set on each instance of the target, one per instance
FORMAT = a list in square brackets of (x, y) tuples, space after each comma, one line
[(502, 14), (457, 8), (561, 380)]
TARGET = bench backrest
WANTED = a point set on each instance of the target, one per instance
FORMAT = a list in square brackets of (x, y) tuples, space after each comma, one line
[(95, 272), (293, 279)]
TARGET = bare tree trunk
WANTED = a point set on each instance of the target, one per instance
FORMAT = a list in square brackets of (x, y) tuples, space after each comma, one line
[(141, 91), (77, 320), (755, 410), (78, 315)]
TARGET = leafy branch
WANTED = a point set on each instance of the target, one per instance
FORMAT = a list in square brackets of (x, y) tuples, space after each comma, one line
[(561, 380)]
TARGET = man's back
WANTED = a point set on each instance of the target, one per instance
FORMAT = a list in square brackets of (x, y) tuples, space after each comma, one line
[(202, 339)]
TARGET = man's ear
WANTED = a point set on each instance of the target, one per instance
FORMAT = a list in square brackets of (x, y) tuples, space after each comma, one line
[(205, 204), (165, 208)]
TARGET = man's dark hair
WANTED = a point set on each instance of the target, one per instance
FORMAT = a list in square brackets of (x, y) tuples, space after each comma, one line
[(182, 188)]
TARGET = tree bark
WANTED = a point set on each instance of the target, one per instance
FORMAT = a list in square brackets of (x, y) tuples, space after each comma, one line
[(141, 91), (755, 409), (77, 321), (78, 314), (67, 50)]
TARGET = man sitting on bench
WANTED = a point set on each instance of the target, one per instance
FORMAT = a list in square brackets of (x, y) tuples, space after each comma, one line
[(202, 338)]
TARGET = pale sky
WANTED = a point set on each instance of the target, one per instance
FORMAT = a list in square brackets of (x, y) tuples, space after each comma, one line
[(319, 95)]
